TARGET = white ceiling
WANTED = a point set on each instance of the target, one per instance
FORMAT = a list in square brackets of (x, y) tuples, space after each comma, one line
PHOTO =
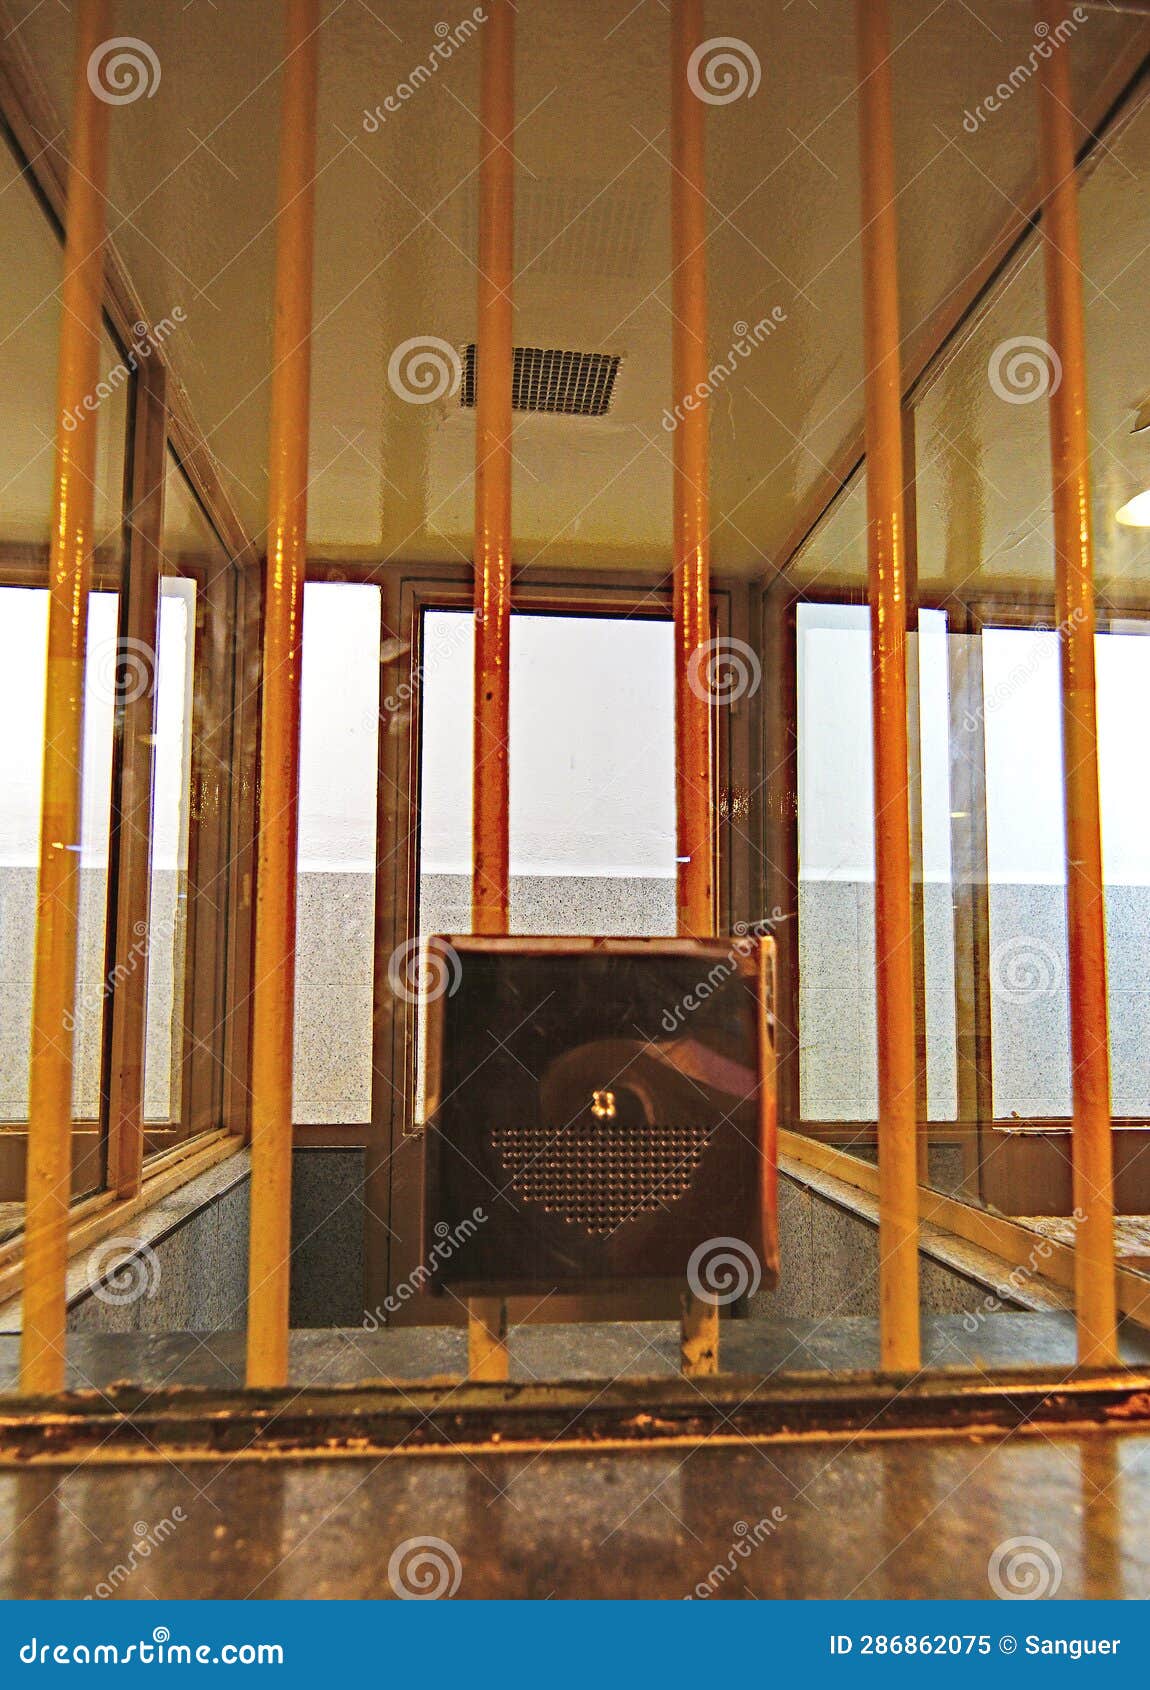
[(983, 461), (192, 194)]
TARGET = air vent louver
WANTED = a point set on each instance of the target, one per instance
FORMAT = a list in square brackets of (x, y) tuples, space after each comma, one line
[(572, 384)]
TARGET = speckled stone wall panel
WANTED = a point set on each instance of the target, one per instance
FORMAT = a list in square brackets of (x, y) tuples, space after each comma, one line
[(335, 950), (838, 1076), (795, 1294), (182, 1265), (335, 939), (327, 1238), (830, 1266), (191, 1270), (17, 943), (557, 903)]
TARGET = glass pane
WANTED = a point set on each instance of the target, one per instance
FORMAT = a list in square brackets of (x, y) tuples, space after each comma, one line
[(171, 801), (837, 1073), (592, 775), (1029, 1002), (335, 912), (92, 987), (28, 367), (837, 1062), (933, 643), (28, 358), (1030, 1011), (23, 678), (1123, 669)]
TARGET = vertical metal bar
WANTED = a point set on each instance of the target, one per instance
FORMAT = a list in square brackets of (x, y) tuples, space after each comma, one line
[(73, 498), (490, 885), (274, 991), (489, 893), (914, 776), (242, 739), (692, 535), (1074, 601), (694, 794), (894, 950), (487, 1353), (968, 868), (131, 842)]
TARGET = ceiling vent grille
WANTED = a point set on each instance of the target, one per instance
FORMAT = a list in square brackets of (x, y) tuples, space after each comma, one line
[(570, 384)]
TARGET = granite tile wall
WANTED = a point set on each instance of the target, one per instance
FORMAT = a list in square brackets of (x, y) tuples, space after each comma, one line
[(837, 1072), (187, 1255), (17, 943), (1028, 995), (557, 903), (198, 1276), (327, 1238), (195, 1265), (335, 938), (829, 1257), (156, 952), (335, 950)]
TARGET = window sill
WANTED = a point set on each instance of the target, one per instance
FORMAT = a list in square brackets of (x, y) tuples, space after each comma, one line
[(1009, 1239), (103, 1214)]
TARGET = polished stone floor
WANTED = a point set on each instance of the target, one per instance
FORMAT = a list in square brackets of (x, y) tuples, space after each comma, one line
[(605, 1351), (923, 1518)]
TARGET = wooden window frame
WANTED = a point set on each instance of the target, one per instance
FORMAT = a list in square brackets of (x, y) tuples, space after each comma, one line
[(159, 417), (117, 1157), (216, 964), (979, 1133)]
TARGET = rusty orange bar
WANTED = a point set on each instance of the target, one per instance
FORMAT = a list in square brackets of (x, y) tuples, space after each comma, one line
[(491, 855), (490, 895), (692, 534), (1074, 599), (273, 1004), (887, 578), (49, 1172), (694, 798)]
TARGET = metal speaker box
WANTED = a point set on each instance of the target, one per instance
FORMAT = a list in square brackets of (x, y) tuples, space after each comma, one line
[(599, 1113)]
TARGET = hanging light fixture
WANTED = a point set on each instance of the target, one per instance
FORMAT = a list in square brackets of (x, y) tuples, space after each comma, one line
[(1135, 513)]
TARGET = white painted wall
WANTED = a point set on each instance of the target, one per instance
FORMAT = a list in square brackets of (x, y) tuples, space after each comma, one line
[(1024, 756), (339, 727), (592, 746), (23, 679), (836, 765)]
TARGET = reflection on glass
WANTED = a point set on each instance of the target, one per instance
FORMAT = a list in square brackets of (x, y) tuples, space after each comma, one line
[(171, 798), (1123, 669), (28, 360), (592, 820), (23, 679), (335, 910), (838, 1078), (1029, 990), (1026, 874)]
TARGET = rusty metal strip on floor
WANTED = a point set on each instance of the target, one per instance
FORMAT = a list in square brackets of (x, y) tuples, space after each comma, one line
[(453, 1416)]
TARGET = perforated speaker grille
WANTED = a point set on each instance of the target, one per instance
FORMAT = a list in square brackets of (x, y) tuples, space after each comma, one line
[(573, 384), (600, 1177)]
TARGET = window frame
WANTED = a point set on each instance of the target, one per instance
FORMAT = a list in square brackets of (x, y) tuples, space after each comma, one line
[(1040, 1144), (134, 1158)]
